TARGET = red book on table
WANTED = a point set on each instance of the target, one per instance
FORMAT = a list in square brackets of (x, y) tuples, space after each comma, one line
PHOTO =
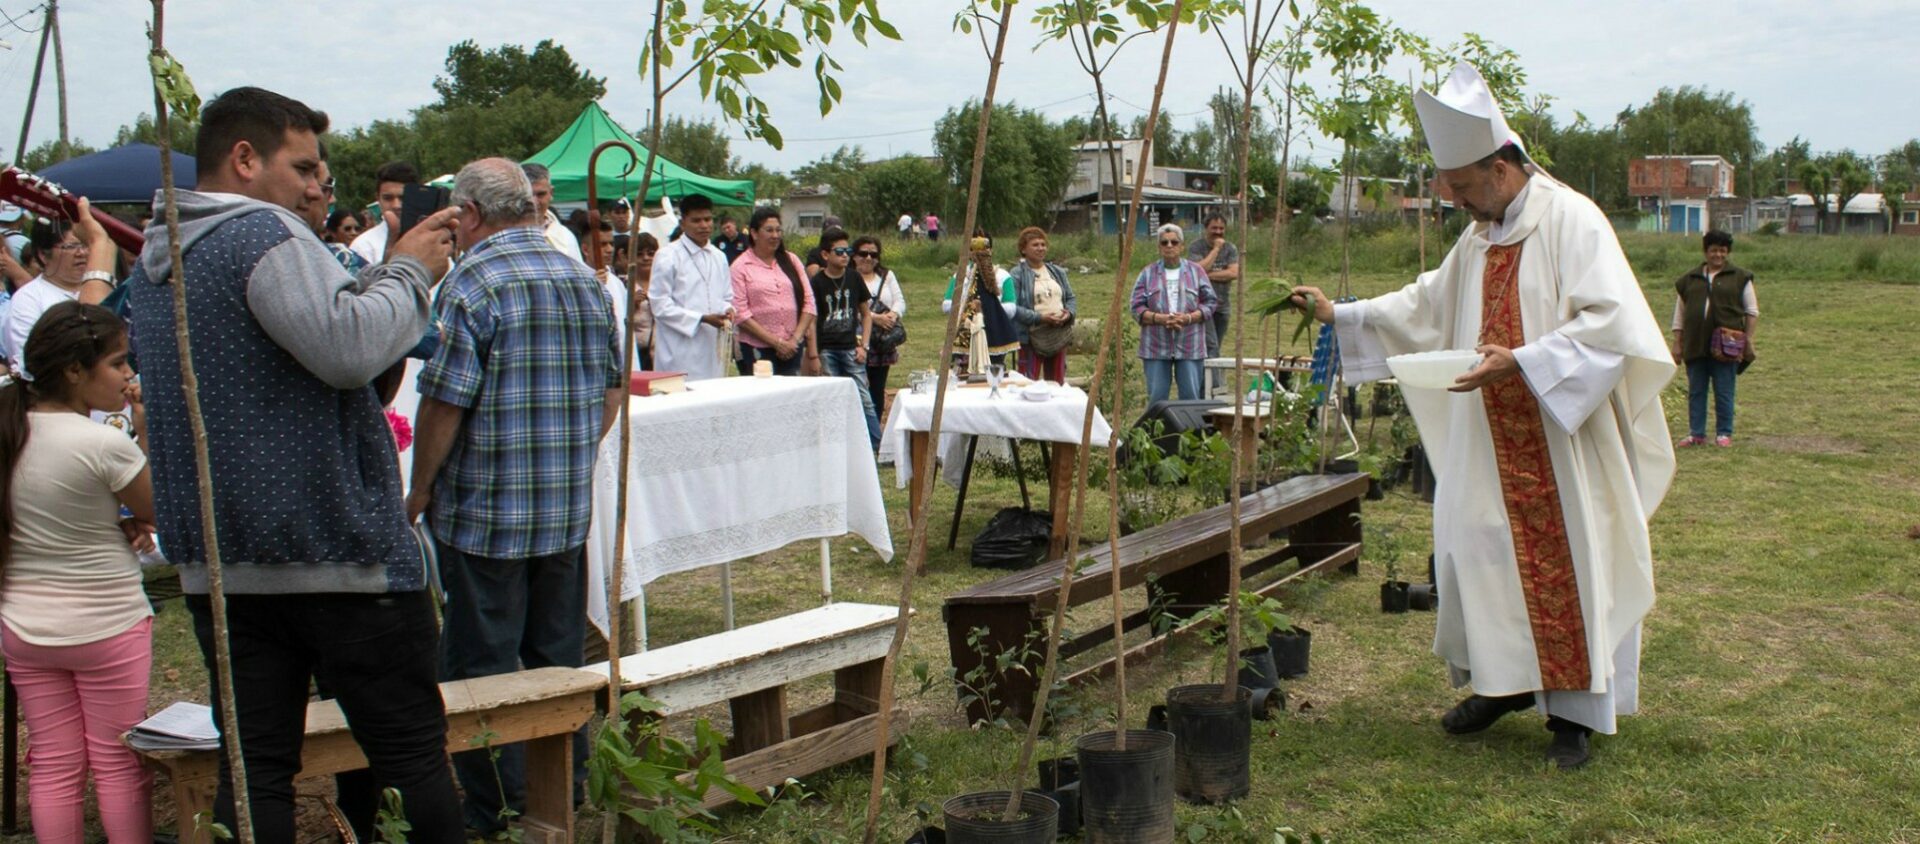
[(651, 383)]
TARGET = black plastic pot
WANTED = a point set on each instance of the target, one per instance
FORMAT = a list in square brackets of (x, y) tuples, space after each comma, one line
[(1343, 467), (975, 819), (1291, 648), (1068, 796), (1256, 668), (1058, 771), (1126, 796), (1424, 597), (1212, 742), (1376, 490), (1393, 596), (1267, 702), (928, 835)]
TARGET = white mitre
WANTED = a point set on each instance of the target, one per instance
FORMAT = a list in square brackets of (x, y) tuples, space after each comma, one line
[(1462, 122)]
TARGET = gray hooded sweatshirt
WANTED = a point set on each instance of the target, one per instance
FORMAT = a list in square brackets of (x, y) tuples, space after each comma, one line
[(307, 493)]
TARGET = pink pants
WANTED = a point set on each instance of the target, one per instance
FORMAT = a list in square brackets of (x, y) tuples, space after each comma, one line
[(77, 700)]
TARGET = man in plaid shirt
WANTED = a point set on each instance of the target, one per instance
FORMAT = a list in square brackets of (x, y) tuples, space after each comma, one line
[(512, 408)]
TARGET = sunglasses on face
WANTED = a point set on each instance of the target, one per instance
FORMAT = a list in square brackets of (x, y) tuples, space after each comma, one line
[(1169, 243), (843, 250), (866, 254)]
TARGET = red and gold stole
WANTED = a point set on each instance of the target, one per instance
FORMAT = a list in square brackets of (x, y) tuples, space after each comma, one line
[(1532, 495)]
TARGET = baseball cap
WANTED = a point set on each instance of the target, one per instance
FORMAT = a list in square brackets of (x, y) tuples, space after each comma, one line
[(10, 212)]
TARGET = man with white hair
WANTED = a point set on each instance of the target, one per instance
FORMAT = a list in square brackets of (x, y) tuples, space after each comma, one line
[(512, 407), (557, 233), (1551, 453)]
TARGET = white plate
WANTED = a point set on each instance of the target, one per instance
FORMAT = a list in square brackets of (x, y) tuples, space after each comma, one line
[(1037, 392), (1432, 370)]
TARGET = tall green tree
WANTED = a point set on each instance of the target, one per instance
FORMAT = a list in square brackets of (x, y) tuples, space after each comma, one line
[(1031, 162), (1834, 179), (183, 133), (698, 145), (767, 182), (52, 152), (836, 169), (1695, 121), (880, 192), (482, 77)]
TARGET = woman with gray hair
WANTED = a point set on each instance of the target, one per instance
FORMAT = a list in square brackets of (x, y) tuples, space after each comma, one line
[(1173, 301)]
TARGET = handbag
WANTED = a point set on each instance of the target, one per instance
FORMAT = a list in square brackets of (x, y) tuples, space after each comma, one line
[(1048, 340), (887, 339), (1728, 345)]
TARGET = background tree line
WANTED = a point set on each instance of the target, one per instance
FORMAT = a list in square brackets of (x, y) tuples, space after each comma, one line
[(512, 101)]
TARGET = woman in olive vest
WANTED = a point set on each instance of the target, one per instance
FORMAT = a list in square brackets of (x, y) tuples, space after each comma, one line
[(1714, 317)]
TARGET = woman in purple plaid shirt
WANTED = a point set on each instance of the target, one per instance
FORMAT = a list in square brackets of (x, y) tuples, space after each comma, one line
[(1173, 301)]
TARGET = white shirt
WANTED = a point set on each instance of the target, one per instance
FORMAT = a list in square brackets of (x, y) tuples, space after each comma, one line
[(371, 245), (906, 222), (689, 282), (29, 302), (73, 578), (562, 237)]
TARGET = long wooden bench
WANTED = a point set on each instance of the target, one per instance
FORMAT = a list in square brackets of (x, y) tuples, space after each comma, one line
[(751, 667), (1184, 560), (542, 707)]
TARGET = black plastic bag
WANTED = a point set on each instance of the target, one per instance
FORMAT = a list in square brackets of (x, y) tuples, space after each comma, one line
[(1015, 538)]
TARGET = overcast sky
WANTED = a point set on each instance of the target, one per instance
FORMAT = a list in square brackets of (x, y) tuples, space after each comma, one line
[(1840, 73)]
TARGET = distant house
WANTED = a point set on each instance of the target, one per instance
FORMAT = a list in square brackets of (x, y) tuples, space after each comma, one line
[(1096, 198), (1686, 193), (804, 209), (1908, 220), (1865, 213), (1355, 196)]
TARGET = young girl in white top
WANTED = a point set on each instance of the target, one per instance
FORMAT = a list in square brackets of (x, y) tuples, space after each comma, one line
[(75, 625)]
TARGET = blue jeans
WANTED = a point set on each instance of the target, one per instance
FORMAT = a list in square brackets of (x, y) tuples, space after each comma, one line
[(1700, 372), (840, 362), (1163, 373), (503, 615)]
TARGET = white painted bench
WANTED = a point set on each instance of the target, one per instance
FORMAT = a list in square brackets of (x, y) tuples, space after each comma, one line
[(750, 668)]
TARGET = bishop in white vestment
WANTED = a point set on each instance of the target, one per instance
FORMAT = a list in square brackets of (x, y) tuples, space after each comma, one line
[(1551, 454)]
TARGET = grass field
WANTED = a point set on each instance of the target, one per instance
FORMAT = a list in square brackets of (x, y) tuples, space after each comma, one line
[(1778, 698)]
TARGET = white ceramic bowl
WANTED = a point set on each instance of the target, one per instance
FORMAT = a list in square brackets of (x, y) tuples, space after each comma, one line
[(1432, 370), (1040, 391)]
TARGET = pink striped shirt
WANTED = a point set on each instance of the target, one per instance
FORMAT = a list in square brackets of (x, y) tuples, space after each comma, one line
[(763, 293)]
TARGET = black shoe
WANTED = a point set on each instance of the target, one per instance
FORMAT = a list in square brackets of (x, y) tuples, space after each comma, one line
[(1478, 712), (1570, 747)]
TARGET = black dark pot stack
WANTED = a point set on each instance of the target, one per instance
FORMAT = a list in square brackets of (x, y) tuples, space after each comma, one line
[(1126, 796), (1213, 741), (1424, 597), (1060, 780), (1393, 596), (975, 819)]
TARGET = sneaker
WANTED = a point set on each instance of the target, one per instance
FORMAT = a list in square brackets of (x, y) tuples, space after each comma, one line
[(1723, 442), (1692, 441)]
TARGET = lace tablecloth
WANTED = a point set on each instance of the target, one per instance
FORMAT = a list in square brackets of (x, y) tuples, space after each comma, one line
[(732, 468), (970, 411)]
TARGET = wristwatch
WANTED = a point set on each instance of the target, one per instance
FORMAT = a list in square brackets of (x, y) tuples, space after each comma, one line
[(100, 276)]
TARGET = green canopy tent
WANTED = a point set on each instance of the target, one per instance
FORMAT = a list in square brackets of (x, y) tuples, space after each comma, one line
[(567, 158)]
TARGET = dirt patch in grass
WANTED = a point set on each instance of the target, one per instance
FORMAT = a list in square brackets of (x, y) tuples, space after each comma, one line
[(1807, 444)]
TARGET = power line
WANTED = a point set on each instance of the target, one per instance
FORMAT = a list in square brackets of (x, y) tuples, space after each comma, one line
[(16, 24)]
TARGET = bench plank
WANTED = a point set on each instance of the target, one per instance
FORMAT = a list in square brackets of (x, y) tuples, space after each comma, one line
[(759, 656), (1175, 544)]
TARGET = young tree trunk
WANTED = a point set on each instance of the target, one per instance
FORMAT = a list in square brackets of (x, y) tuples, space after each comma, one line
[(190, 386), (1107, 338), (1108, 342), (917, 547)]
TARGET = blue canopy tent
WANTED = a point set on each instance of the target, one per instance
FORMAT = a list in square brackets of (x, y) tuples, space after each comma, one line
[(123, 174)]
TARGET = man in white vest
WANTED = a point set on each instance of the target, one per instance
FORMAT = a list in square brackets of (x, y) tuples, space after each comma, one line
[(1550, 454)]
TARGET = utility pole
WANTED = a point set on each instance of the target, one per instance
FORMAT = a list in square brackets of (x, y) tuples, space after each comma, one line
[(33, 92), (59, 72)]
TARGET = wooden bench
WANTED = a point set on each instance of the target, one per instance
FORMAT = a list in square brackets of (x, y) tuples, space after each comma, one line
[(542, 707), (750, 668), (1187, 561)]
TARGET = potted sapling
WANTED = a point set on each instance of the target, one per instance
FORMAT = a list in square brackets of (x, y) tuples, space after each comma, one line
[(1293, 645), (1393, 592)]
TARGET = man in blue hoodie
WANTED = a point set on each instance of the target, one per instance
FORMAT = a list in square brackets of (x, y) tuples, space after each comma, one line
[(322, 575)]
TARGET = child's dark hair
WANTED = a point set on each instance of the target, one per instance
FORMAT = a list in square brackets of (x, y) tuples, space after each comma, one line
[(68, 334)]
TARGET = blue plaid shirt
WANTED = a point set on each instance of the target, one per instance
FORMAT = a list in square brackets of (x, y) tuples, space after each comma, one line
[(528, 347)]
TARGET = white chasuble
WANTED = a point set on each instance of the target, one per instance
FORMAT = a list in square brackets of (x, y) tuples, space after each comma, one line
[(689, 282), (1545, 481)]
